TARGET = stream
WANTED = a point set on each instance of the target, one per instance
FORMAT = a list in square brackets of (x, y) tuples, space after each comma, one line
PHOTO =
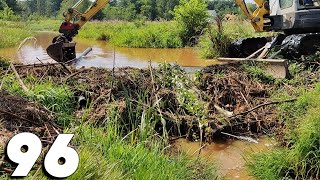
[(228, 156), (102, 55)]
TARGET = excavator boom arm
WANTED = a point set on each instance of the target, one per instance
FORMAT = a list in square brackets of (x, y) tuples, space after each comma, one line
[(258, 17), (63, 48), (95, 7)]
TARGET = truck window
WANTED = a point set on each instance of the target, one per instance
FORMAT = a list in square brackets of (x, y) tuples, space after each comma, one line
[(286, 3), (309, 3)]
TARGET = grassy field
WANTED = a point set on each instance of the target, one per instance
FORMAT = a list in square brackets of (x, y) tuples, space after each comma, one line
[(135, 34), (13, 33)]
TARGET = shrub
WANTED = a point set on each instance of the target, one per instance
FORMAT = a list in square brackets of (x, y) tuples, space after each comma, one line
[(215, 42), (192, 17)]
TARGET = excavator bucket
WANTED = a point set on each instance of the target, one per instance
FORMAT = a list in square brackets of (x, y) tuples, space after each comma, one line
[(55, 51)]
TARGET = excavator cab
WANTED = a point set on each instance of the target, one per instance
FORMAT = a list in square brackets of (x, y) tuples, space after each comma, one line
[(295, 16), (299, 20)]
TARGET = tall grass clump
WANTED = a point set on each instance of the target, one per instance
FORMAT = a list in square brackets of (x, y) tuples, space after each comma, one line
[(215, 42), (301, 159), (219, 35), (136, 159), (12, 33), (56, 98)]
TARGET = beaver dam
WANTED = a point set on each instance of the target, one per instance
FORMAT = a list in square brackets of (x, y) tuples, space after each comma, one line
[(163, 105)]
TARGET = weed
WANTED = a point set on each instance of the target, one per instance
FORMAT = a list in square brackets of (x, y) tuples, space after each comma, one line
[(56, 98), (301, 159), (257, 72), (215, 42)]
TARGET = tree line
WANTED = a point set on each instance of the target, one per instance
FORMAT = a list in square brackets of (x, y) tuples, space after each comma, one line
[(116, 10)]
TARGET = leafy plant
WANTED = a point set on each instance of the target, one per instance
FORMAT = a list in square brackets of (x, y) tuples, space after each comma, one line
[(192, 16)]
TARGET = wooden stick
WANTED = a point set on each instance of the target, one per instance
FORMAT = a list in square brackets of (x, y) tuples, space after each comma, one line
[(262, 105), (255, 53), (249, 139), (76, 73), (223, 111), (23, 86), (16, 116)]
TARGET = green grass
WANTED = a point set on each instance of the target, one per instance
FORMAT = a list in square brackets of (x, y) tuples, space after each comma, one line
[(11, 34), (56, 98), (135, 35), (44, 25), (121, 146), (301, 159)]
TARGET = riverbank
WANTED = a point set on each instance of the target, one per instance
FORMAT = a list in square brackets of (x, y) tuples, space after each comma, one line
[(138, 112), (139, 34), (116, 124)]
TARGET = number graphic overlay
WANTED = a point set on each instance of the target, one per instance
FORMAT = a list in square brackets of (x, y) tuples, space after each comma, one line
[(24, 149), (59, 152)]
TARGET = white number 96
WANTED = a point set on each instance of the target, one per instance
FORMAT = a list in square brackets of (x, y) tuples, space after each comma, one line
[(61, 161)]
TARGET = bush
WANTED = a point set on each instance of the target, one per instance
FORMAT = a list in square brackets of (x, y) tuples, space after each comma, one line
[(215, 42), (8, 15), (192, 16)]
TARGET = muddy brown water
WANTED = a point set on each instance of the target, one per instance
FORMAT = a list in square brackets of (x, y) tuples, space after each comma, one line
[(103, 54), (228, 156)]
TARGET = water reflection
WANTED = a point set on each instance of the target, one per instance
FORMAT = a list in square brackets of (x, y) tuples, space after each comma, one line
[(103, 54)]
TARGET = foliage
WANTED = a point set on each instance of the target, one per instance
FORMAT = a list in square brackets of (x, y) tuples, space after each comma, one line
[(135, 9), (301, 159), (138, 34), (192, 17), (223, 7), (216, 39), (11, 34), (215, 42), (8, 14)]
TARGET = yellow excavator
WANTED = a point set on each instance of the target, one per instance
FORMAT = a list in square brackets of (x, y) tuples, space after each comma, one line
[(298, 20), (62, 48)]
